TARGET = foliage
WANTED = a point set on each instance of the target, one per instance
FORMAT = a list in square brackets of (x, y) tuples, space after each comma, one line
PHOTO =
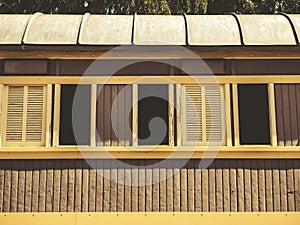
[(150, 6)]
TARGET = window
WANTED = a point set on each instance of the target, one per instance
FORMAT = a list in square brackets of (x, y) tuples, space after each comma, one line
[(77, 118), (253, 114), (153, 123), (203, 114), (24, 115)]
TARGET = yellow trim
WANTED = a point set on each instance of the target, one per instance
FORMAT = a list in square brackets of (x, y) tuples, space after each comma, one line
[(159, 152), (150, 218), (272, 116), (245, 79), (56, 115)]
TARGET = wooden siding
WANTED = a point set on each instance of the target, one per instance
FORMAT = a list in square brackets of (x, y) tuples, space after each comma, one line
[(119, 97), (75, 185), (287, 103)]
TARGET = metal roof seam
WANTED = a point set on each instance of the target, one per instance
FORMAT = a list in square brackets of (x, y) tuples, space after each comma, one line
[(239, 26), (83, 19), (186, 30), (292, 25), (133, 28), (29, 24)]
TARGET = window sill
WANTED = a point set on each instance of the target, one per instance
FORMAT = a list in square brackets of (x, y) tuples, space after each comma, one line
[(159, 152)]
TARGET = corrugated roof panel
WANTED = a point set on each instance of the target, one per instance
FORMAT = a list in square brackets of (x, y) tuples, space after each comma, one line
[(106, 30), (53, 29), (266, 30), (12, 28), (159, 30), (296, 22), (213, 30)]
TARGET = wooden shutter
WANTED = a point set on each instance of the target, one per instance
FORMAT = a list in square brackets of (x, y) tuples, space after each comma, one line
[(203, 117), (24, 115)]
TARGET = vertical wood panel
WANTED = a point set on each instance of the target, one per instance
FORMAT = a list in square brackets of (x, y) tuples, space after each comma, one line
[(121, 188), (226, 186), (261, 186), (240, 186), (71, 186), (57, 186), (149, 183), (293, 114), (14, 187), (113, 185), (35, 186), (219, 187), (7, 186), (269, 187), (114, 115), (49, 186), (135, 187), (176, 187), (298, 110), (78, 186), (64, 187), (42, 186), (127, 108), (286, 115), (183, 189), (233, 187), (198, 185), (21, 187), (162, 188), (205, 197), (92, 186), (283, 186), (85, 187), (106, 186), (247, 185), (297, 184), (190, 186), (254, 186), (155, 189), (212, 187), (99, 186), (28, 185), (121, 115), (279, 115), (127, 187), (1, 186), (107, 119), (276, 185), (170, 191), (290, 186), (142, 180)]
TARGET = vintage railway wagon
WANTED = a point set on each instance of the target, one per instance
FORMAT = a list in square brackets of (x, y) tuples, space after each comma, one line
[(150, 119)]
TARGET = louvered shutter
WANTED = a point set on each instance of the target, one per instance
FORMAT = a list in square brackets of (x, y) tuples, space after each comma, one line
[(203, 117), (24, 116)]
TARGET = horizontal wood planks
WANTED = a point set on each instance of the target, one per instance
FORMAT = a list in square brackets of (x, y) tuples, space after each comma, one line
[(149, 185)]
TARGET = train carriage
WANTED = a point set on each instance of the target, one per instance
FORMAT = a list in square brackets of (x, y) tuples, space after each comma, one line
[(117, 119)]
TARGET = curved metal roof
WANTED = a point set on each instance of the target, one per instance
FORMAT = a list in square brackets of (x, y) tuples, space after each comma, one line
[(194, 30)]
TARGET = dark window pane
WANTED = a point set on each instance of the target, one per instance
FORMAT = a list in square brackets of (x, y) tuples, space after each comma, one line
[(82, 112), (153, 115), (253, 114)]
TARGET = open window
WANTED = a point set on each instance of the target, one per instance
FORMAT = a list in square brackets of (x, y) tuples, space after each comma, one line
[(254, 126), (25, 115)]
